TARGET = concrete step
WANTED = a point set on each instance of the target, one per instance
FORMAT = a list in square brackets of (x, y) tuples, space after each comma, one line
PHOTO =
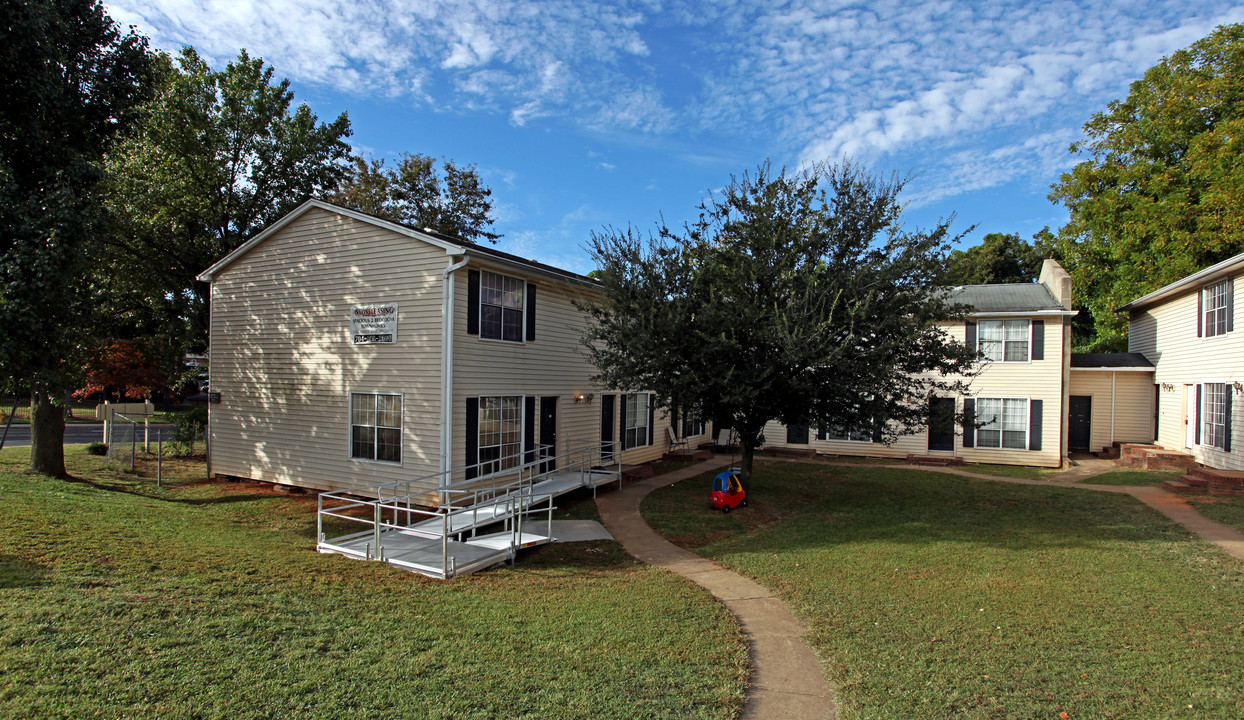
[(934, 460), (687, 455), (1176, 487), (787, 452), (630, 473)]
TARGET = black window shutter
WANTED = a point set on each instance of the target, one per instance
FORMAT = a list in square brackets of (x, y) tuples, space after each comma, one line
[(970, 335), (1034, 424), (674, 423), (472, 438), (531, 312), (1230, 304), (652, 411), (969, 423), (878, 435), (1038, 339), (529, 429), (1226, 445), (622, 420), (472, 302), (1196, 414), (822, 431), (1200, 314)]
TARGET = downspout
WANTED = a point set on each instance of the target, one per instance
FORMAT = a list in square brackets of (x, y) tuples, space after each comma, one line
[(447, 361), (1113, 376)]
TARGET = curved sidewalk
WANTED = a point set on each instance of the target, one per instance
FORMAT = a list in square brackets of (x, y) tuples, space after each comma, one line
[(786, 679)]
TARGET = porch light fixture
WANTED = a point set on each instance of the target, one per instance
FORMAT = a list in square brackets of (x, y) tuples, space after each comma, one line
[(581, 398), (1239, 388), (1167, 387)]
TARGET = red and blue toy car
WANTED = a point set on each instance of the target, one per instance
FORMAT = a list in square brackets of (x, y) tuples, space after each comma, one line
[(728, 492)]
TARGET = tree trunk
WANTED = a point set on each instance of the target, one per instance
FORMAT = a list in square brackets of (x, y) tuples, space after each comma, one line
[(748, 444), (47, 435)]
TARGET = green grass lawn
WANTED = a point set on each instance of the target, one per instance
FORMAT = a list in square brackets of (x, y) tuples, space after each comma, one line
[(936, 596), (1132, 477), (207, 600), (1226, 510)]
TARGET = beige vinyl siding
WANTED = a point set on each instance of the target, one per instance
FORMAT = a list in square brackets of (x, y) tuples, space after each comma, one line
[(554, 364), (1122, 405), (1166, 333), (1037, 379), (283, 361)]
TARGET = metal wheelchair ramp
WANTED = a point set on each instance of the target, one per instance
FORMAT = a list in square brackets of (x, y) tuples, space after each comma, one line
[(513, 509)]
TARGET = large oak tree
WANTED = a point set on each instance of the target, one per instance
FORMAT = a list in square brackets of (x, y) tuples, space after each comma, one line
[(213, 158), (1161, 193), (71, 80), (797, 297)]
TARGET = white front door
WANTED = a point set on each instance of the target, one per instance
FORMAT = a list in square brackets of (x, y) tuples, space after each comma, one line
[(1190, 416)]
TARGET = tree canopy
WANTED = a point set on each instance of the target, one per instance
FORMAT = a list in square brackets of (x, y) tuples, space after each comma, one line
[(213, 158), (1161, 194), (455, 203), (797, 297), (71, 81), (1000, 258)]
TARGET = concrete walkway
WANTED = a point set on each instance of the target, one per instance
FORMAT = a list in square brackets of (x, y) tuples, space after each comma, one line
[(786, 678)]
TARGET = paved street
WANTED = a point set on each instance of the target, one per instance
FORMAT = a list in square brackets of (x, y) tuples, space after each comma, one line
[(75, 433)]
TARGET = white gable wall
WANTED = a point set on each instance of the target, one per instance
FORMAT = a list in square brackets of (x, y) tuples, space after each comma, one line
[(283, 361)]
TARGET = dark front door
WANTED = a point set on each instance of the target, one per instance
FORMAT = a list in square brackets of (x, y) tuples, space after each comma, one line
[(548, 432), (606, 428), (942, 423), (1080, 422), (796, 434)]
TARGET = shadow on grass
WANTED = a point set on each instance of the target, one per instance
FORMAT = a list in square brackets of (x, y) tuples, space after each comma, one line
[(804, 507), (18, 573)]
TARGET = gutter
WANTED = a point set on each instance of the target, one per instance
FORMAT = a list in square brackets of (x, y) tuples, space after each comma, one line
[(447, 360)]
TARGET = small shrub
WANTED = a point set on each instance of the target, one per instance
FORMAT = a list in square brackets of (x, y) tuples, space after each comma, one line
[(190, 427), (97, 448)]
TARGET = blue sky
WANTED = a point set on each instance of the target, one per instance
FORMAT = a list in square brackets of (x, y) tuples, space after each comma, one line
[(582, 115)]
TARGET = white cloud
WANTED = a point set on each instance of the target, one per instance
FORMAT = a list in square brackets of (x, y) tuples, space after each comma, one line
[(808, 79)]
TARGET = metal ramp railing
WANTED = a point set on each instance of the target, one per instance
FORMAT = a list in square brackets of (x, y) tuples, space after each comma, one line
[(444, 541)]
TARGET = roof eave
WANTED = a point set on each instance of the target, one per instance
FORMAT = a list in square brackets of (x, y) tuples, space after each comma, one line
[(1213, 272)]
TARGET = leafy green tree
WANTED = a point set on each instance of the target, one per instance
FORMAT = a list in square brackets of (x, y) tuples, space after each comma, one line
[(1161, 194), (71, 80), (214, 157), (795, 296), (1000, 258), (452, 201)]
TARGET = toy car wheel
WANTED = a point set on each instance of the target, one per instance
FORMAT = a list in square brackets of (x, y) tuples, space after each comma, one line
[(743, 503), (726, 509)]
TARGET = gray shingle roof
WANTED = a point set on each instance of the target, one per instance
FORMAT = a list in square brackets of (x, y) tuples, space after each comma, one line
[(1008, 297), (1109, 360)]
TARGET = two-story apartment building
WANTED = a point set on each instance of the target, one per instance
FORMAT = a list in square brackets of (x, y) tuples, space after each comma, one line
[(1187, 330), (1016, 412), (348, 350)]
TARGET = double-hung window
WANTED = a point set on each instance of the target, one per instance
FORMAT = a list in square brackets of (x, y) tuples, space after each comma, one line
[(500, 307), (635, 426), (1214, 415), (837, 432), (1003, 423), (1214, 307), (500, 433), (1004, 340), (376, 427)]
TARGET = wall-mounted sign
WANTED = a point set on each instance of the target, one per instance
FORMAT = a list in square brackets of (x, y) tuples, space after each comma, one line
[(374, 324), (213, 398)]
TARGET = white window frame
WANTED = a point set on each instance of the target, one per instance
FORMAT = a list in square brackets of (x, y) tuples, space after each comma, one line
[(1219, 292), (852, 436), (374, 426), (1213, 415), (1000, 422), (1005, 340), (484, 275), (637, 423), (502, 462)]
